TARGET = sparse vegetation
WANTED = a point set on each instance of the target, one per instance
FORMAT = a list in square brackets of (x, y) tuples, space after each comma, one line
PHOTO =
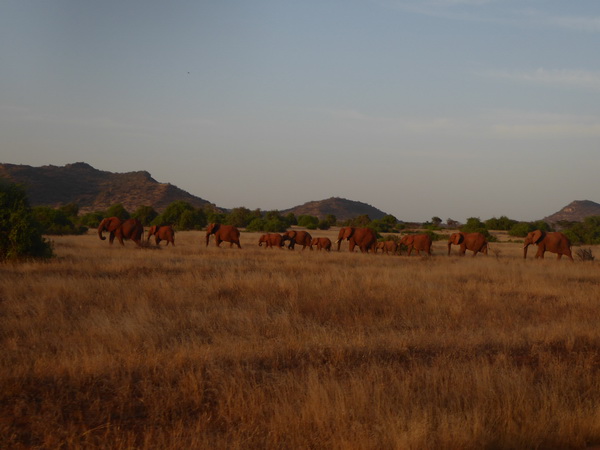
[(20, 234), (195, 347), (585, 254)]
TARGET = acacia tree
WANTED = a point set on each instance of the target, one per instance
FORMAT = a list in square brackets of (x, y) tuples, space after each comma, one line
[(20, 235)]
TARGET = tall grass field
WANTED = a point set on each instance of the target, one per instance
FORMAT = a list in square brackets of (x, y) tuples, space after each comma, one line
[(204, 347)]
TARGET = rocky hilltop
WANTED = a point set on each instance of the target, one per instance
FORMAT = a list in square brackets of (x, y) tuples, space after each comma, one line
[(575, 212), (341, 208), (93, 189)]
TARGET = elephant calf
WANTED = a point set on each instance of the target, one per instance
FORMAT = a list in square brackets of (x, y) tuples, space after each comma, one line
[(387, 247), (321, 243), (271, 240), (162, 233)]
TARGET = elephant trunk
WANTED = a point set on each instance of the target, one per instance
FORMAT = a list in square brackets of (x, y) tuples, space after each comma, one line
[(449, 246), (100, 230), (207, 238), (525, 246)]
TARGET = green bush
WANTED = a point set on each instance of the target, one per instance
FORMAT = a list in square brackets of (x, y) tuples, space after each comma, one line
[(474, 225), (145, 214), (20, 234), (183, 216), (241, 217), (586, 232), (503, 223), (56, 222), (308, 221), (520, 229), (92, 220), (323, 225), (118, 210)]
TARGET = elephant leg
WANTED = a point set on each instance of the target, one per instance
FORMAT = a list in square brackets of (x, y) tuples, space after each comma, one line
[(111, 238), (218, 241)]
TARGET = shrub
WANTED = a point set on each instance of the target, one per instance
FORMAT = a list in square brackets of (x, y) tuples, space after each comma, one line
[(193, 219), (20, 235), (308, 221), (503, 223), (257, 225), (240, 217), (520, 229), (585, 254), (92, 220), (323, 225), (55, 221), (145, 214), (586, 232), (117, 210)]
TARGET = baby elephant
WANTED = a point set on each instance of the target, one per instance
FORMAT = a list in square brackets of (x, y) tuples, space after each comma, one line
[(321, 243), (387, 247), (271, 240), (162, 233)]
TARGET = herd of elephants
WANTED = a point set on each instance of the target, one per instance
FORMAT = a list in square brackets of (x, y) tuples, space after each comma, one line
[(363, 238)]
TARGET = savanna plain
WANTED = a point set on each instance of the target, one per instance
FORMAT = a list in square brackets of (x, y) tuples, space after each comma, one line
[(195, 347)]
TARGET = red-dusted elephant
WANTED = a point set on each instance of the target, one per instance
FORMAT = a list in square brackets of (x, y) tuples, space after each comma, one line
[(271, 240), (321, 243), (302, 238), (387, 247), (129, 229), (475, 242), (162, 233), (548, 242), (227, 233), (364, 238), (418, 242)]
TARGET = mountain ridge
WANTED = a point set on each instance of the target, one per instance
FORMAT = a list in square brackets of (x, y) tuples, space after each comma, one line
[(96, 190)]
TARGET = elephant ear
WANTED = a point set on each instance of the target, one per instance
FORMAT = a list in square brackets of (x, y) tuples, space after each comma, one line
[(348, 232), (538, 235), (458, 238), (409, 240)]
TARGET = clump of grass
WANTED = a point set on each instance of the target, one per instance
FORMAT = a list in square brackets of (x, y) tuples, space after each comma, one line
[(585, 254)]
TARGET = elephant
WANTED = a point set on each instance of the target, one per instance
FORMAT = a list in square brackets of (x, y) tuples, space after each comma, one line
[(387, 247), (227, 233), (321, 243), (418, 242), (129, 229), (271, 240), (548, 242), (162, 233), (302, 238), (364, 238), (475, 242)]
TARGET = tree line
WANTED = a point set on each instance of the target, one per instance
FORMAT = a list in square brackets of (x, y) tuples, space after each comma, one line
[(22, 227)]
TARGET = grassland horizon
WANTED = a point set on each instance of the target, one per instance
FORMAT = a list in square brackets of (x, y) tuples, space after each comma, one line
[(200, 347)]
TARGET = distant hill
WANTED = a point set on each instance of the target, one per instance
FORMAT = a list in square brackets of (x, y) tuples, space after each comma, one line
[(341, 208), (93, 189), (575, 211)]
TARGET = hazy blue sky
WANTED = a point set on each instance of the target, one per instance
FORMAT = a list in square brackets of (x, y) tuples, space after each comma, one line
[(421, 108)]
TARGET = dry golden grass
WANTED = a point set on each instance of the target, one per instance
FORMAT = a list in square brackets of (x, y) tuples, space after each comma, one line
[(195, 347)]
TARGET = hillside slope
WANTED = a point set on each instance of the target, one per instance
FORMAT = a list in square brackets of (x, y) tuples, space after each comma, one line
[(341, 208), (93, 189), (575, 211)]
